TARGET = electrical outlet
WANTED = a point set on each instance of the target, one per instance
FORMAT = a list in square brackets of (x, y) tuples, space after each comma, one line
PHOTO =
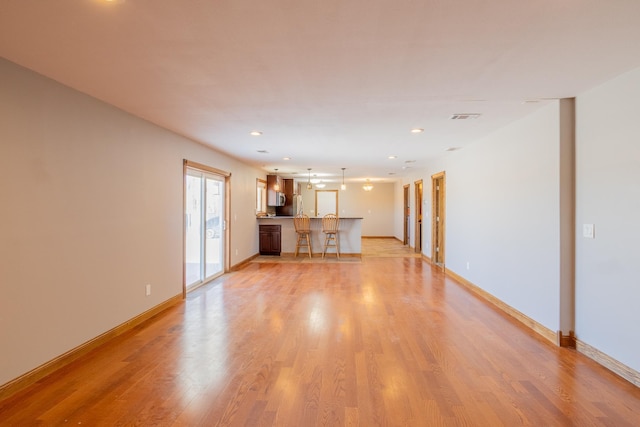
[(147, 289)]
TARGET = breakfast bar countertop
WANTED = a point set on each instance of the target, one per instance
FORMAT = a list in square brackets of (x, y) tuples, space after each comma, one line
[(311, 217), (349, 233)]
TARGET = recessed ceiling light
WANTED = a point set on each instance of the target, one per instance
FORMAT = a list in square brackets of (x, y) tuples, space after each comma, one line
[(417, 130), (255, 133), (453, 148), (286, 158), (409, 161), (263, 152), (393, 157), (392, 173)]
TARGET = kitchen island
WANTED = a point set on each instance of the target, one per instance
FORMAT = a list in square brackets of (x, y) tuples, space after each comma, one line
[(349, 235)]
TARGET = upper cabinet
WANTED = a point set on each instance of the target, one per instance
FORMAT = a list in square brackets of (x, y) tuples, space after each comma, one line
[(275, 191), (289, 193)]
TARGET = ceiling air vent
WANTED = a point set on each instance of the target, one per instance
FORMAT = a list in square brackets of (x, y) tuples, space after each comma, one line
[(465, 116)]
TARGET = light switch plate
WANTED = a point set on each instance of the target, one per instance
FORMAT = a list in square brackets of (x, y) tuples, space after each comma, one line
[(588, 231)]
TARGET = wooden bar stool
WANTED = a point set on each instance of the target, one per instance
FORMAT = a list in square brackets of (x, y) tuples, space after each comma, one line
[(330, 223), (303, 231)]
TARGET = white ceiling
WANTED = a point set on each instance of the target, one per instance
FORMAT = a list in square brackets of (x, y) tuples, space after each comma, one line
[(330, 83)]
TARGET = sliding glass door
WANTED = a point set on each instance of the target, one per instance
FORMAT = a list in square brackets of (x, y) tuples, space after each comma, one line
[(204, 226)]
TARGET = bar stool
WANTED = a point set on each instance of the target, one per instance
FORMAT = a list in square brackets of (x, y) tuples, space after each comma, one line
[(303, 231), (330, 223)]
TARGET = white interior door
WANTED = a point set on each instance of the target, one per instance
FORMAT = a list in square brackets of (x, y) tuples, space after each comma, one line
[(326, 202)]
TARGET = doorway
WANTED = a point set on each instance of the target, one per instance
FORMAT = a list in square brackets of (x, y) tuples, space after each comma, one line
[(205, 226), (418, 229), (406, 213), (326, 202), (438, 219)]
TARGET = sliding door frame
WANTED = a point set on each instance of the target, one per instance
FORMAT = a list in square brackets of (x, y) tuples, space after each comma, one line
[(226, 232)]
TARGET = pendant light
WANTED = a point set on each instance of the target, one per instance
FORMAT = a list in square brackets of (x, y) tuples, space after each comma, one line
[(343, 186), (276, 186), (309, 186), (368, 186)]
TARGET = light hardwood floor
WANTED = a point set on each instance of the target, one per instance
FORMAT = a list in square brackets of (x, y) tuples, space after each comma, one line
[(384, 341), (371, 247)]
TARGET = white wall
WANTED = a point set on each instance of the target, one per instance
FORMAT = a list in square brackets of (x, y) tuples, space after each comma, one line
[(503, 216), (91, 212), (608, 195), (376, 207), (502, 213)]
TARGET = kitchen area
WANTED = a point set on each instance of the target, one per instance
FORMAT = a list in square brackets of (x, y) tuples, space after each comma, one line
[(285, 198)]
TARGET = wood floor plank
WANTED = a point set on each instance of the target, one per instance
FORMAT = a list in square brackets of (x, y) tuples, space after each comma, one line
[(382, 341)]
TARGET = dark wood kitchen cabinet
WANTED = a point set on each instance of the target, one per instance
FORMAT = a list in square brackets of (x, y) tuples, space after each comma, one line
[(269, 239), (288, 190), (275, 190)]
